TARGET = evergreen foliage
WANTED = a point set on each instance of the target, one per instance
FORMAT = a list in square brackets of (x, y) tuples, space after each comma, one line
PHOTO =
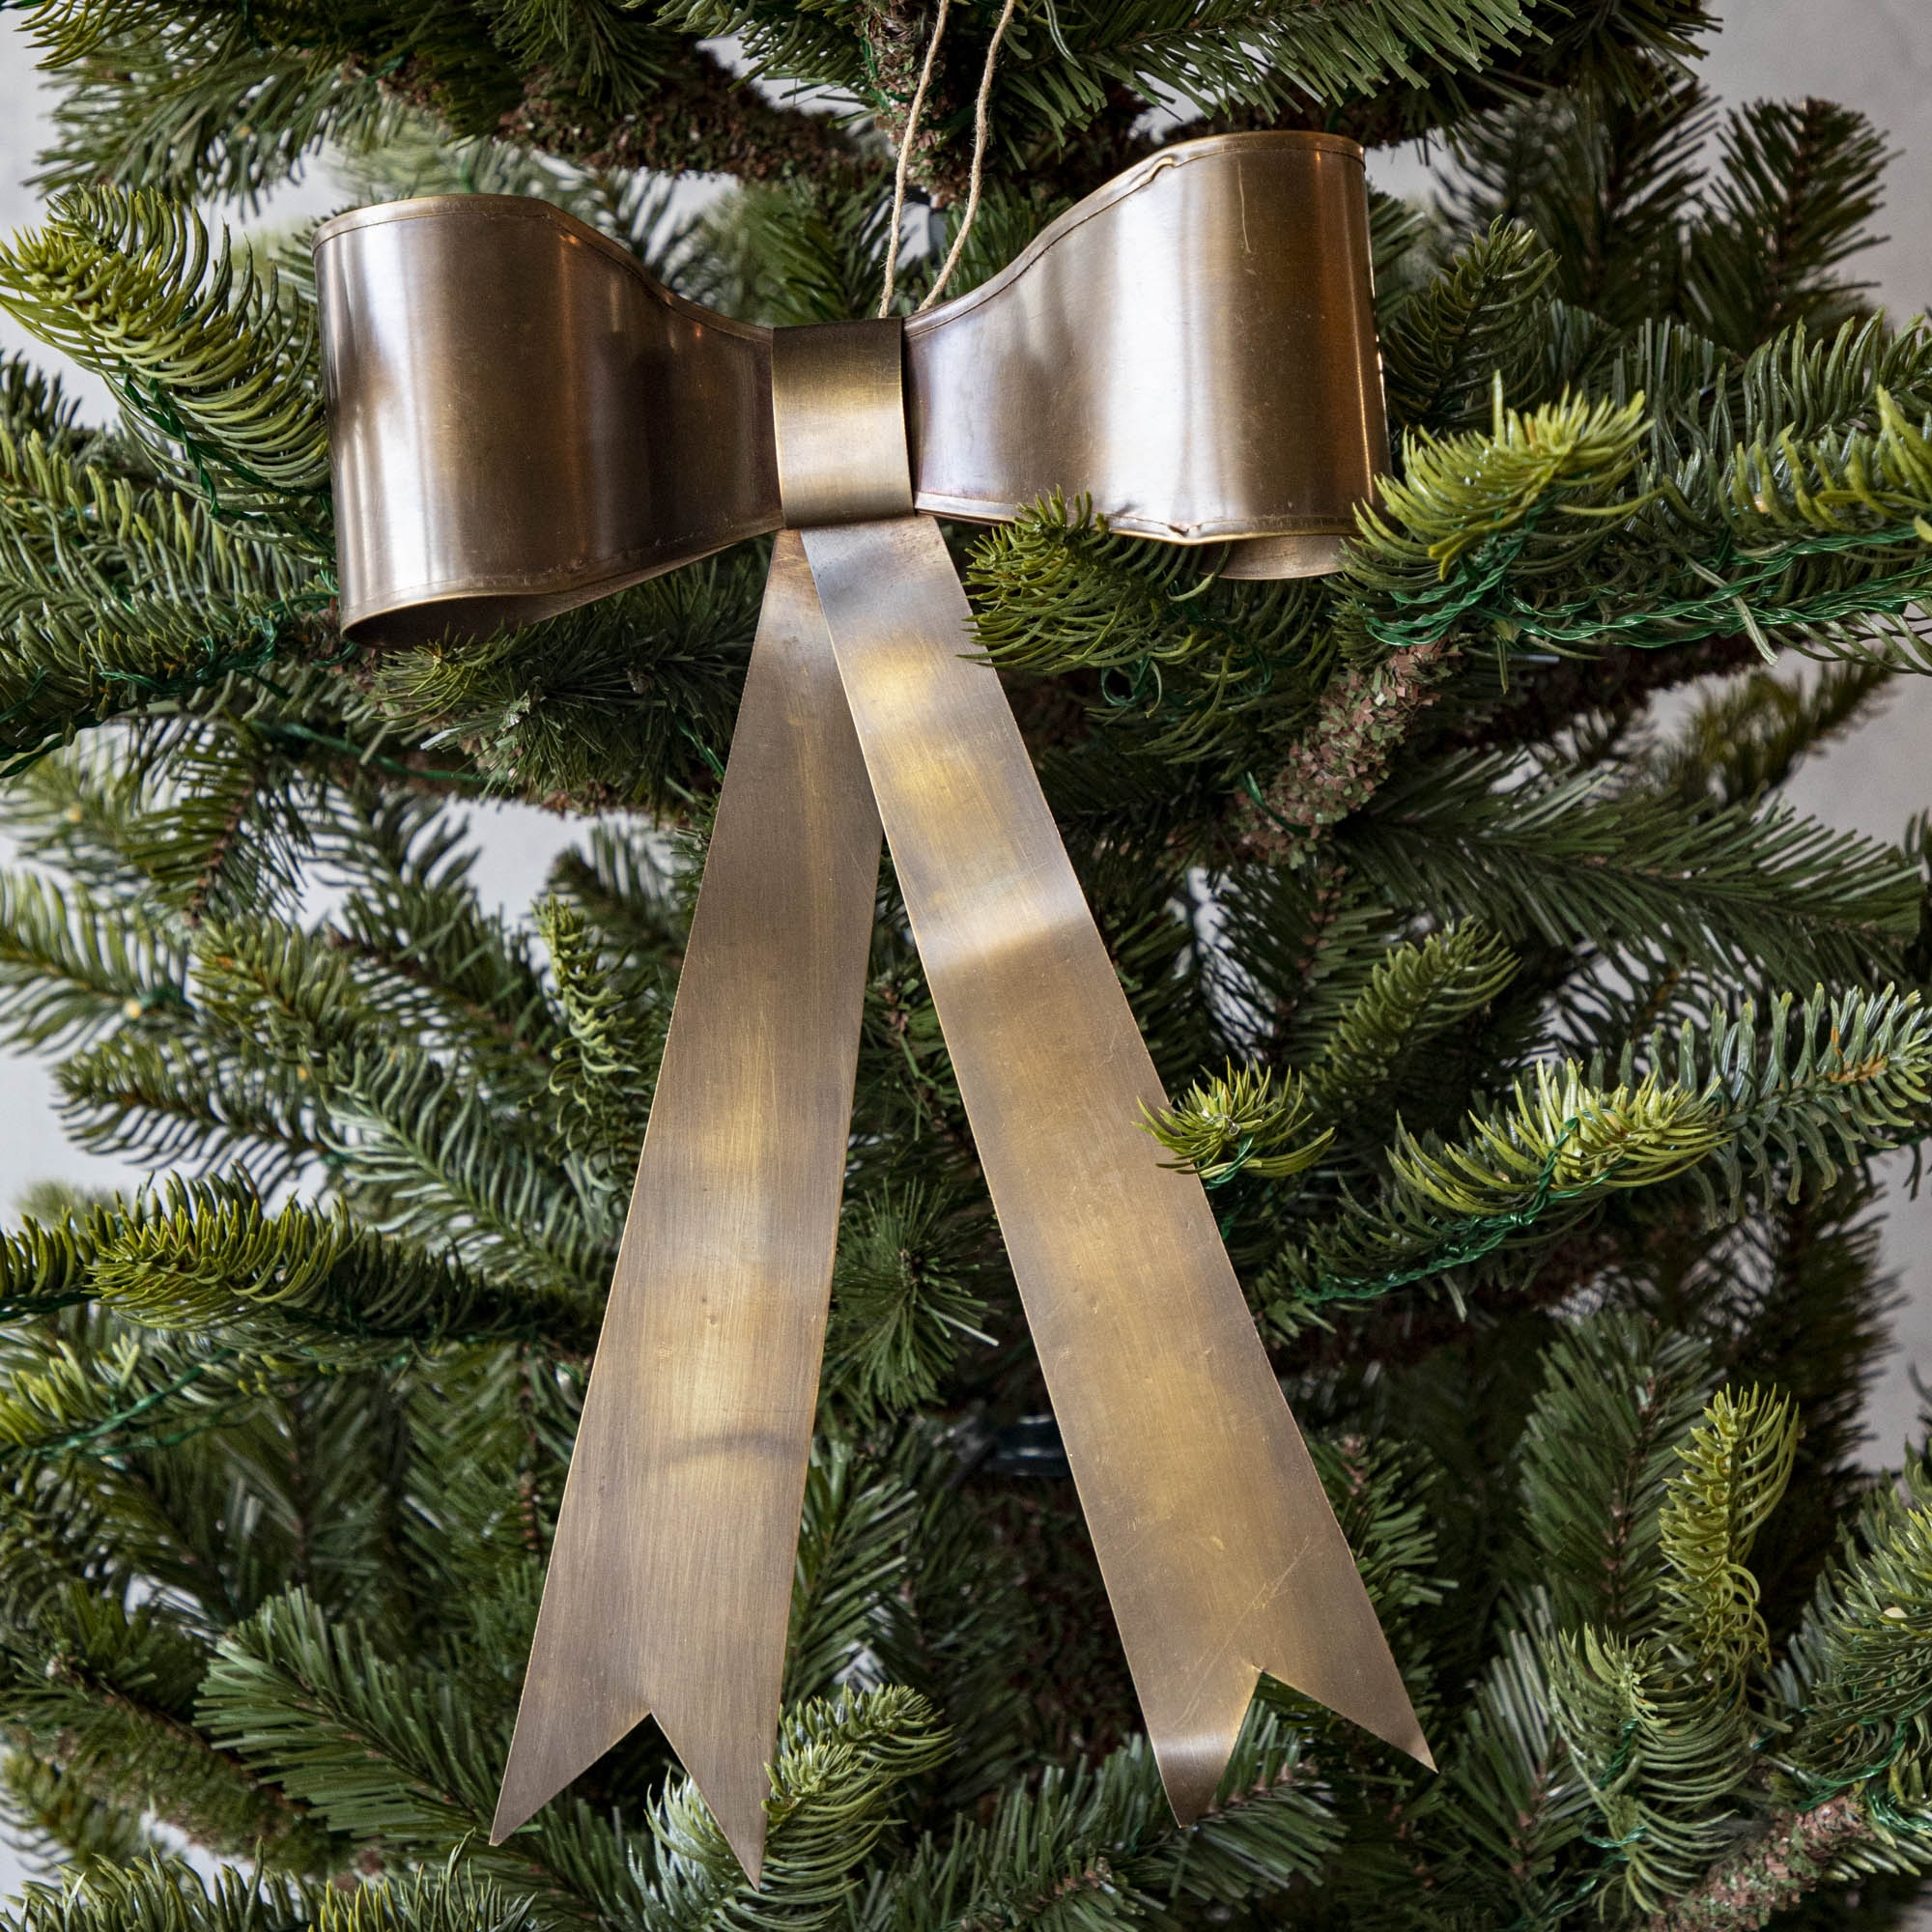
[(1537, 1054)]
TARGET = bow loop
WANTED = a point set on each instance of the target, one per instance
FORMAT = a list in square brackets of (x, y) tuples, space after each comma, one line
[(520, 420), (523, 419)]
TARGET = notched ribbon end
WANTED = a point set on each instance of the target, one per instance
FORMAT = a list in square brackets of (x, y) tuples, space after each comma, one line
[(730, 1774), (1381, 1706), (1403, 1734), (552, 1744), (1194, 1756), (1193, 1751), (1195, 1730), (545, 1757)]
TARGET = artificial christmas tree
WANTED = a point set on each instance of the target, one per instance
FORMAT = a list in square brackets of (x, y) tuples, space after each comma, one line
[(1534, 1055)]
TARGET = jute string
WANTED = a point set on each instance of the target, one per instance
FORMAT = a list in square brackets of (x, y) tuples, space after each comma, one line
[(981, 122)]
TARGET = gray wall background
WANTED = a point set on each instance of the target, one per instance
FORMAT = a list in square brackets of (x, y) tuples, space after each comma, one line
[(1871, 54)]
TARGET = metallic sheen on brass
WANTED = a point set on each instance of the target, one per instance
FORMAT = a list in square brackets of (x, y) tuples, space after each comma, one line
[(839, 422), (670, 1584), (1193, 345), (523, 421), (1221, 1556)]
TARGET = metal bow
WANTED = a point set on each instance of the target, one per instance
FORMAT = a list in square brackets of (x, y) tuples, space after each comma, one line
[(523, 421)]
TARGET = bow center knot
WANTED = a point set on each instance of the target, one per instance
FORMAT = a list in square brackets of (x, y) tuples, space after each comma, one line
[(839, 421)]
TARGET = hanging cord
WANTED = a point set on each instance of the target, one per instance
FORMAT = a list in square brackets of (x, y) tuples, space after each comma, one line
[(905, 158), (980, 123)]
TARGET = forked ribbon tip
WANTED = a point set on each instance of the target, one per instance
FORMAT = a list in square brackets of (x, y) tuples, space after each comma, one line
[(1415, 1745), (1391, 1717), (1403, 1733), (528, 1785), (1195, 1734), (1192, 1769), (548, 1751), (744, 1829), (512, 1813)]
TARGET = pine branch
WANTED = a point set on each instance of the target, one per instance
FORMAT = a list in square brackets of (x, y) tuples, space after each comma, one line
[(840, 1769), (1056, 592), (630, 891), (1855, 1684), (1622, 47), (1240, 1123), (209, 104), (1604, 176), (851, 1564), (1408, 1046), (1527, 536), (1763, 1112), (449, 1900), (903, 1301), (163, 1896), (1736, 1467), (190, 102), (1514, 1800), (1800, 182), (1747, 737), (699, 119), (432, 1155), (121, 588), (893, 37), (202, 350), (1565, 460), (1095, 1843), (109, 1697), (1659, 1725), (625, 703), (43, 1805), (395, 1750), (615, 1024), (1794, 1854), (70, 967), (1475, 322), (1793, 1297), (297, 1280), (1665, 1760), (1230, 56), (1617, 1398), (1572, 858), (1544, 699), (158, 1101)]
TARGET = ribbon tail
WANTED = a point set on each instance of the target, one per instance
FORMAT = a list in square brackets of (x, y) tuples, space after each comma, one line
[(1221, 1555), (670, 1584)]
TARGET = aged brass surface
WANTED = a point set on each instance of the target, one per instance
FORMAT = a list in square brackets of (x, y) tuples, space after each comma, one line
[(1313, 555), (1221, 1556), (669, 1583), (839, 422), (1193, 345), (523, 421)]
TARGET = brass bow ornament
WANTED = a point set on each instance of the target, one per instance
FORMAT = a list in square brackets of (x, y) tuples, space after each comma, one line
[(523, 421)]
